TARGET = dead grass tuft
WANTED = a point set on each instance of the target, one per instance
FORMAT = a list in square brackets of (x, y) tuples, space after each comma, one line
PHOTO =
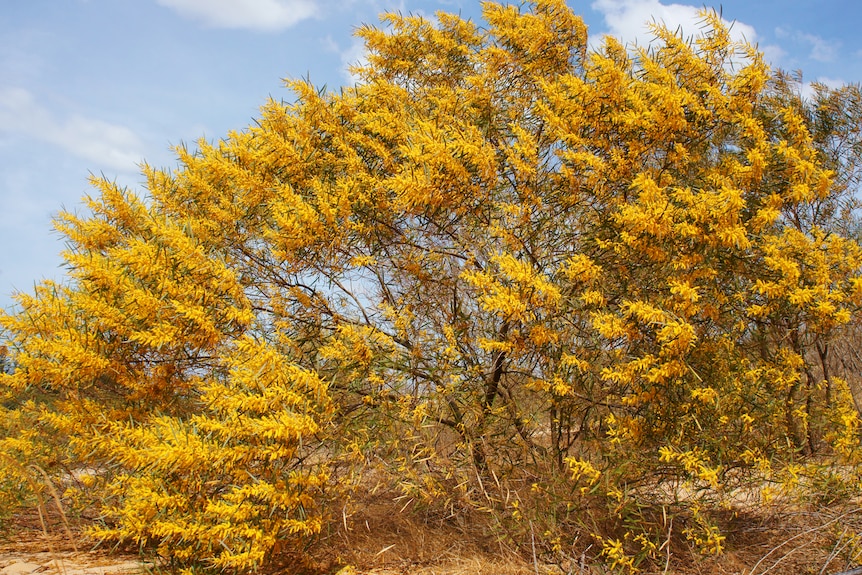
[(380, 533)]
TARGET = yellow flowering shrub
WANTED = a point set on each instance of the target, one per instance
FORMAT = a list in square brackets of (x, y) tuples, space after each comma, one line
[(567, 289), (224, 488)]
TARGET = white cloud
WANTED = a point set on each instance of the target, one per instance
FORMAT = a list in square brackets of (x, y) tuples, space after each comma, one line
[(822, 50), (107, 145), (266, 15), (354, 55), (807, 88), (628, 20), (773, 54), (831, 82)]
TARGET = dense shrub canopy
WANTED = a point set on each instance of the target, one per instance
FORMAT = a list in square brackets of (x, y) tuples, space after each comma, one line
[(501, 263)]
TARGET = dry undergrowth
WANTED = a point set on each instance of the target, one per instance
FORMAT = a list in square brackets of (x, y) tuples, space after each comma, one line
[(382, 536), (46, 545), (382, 533)]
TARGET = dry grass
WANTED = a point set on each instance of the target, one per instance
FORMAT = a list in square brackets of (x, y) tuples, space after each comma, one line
[(782, 539), (379, 535)]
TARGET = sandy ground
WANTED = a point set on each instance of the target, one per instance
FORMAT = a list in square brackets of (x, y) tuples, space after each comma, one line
[(27, 552), (67, 564)]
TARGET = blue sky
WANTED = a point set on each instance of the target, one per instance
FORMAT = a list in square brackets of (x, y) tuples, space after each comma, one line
[(97, 86)]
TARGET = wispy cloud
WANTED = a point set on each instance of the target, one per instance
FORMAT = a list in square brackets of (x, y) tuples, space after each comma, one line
[(354, 54), (822, 50), (627, 19), (807, 88), (264, 15), (107, 145)]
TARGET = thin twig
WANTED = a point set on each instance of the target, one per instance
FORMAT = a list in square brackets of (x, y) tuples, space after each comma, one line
[(839, 546), (667, 544), (797, 536), (533, 541), (50, 485), (41, 506), (33, 487)]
